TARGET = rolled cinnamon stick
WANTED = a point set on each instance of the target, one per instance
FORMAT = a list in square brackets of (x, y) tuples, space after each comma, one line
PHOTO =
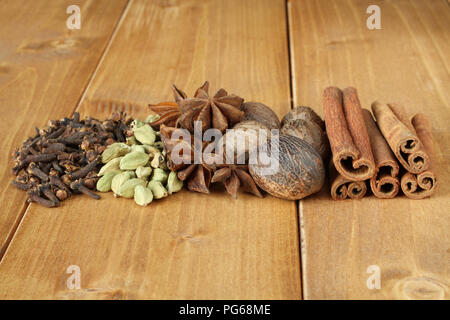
[(419, 186), (401, 137), (385, 183), (343, 188), (347, 133)]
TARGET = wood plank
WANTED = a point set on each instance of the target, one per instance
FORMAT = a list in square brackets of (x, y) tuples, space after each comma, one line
[(44, 68), (407, 62), (188, 245)]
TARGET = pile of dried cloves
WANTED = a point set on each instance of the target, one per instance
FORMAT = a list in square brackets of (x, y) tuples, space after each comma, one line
[(63, 159)]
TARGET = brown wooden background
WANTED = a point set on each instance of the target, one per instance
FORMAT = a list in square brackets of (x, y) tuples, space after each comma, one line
[(190, 246)]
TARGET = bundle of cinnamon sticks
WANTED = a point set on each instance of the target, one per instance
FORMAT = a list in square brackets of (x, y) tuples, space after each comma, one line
[(368, 153)]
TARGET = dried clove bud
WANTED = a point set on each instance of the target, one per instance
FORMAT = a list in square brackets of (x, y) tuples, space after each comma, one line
[(62, 195), (57, 157), (80, 187)]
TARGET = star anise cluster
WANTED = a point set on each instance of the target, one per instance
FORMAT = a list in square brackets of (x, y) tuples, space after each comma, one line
[(220, 111), (197, 175), (235, 176), (168, 113), (200, 175)]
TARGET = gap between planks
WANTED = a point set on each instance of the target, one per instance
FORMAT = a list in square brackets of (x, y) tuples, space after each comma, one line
[(298, 203), (104, 53), (12, 233), (26, 207)]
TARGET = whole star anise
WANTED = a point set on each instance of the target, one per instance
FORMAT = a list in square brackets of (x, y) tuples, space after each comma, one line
[(221, 111), (197, 175), (168, 112), (235, 176), (185, 152)]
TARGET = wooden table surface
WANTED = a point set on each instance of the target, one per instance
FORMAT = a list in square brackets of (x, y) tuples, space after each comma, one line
[(195, 246)]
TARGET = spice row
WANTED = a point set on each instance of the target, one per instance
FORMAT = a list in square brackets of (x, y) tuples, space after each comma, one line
[(200, 140)]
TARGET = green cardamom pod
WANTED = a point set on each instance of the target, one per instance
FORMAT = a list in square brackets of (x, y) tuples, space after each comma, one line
[(104, 183), (137, 123), (150, 149), (159, 145), (143, 172), (159, 175), (114, 150), (131, 141), (112, 165), (152, 118), (126, 190), (145, 134), (173, 183), (132, 174), (163, 165), (157, 160), (118, 180), (157, 189), (142, 195), (133, 160), (137, 148)]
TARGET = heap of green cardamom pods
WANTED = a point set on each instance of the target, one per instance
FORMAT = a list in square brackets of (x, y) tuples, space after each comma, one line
[(137, 169)]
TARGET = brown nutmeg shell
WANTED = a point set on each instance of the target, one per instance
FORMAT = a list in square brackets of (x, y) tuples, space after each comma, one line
[(245, 136), (300, 173), (251, 125), (304, 113), (310, 132), (261, 113)]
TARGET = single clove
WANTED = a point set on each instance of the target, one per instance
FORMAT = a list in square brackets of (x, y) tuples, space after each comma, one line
[(79, 186)]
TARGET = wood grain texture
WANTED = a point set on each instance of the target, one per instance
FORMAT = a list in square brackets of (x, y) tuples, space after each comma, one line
[(44, 68), (406, 62), (188, 245)]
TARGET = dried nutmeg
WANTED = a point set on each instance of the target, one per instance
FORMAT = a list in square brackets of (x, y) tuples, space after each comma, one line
[(251, 124), (310, 132), (304, 113), (300, 170), (244, 138), (260, 113)]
